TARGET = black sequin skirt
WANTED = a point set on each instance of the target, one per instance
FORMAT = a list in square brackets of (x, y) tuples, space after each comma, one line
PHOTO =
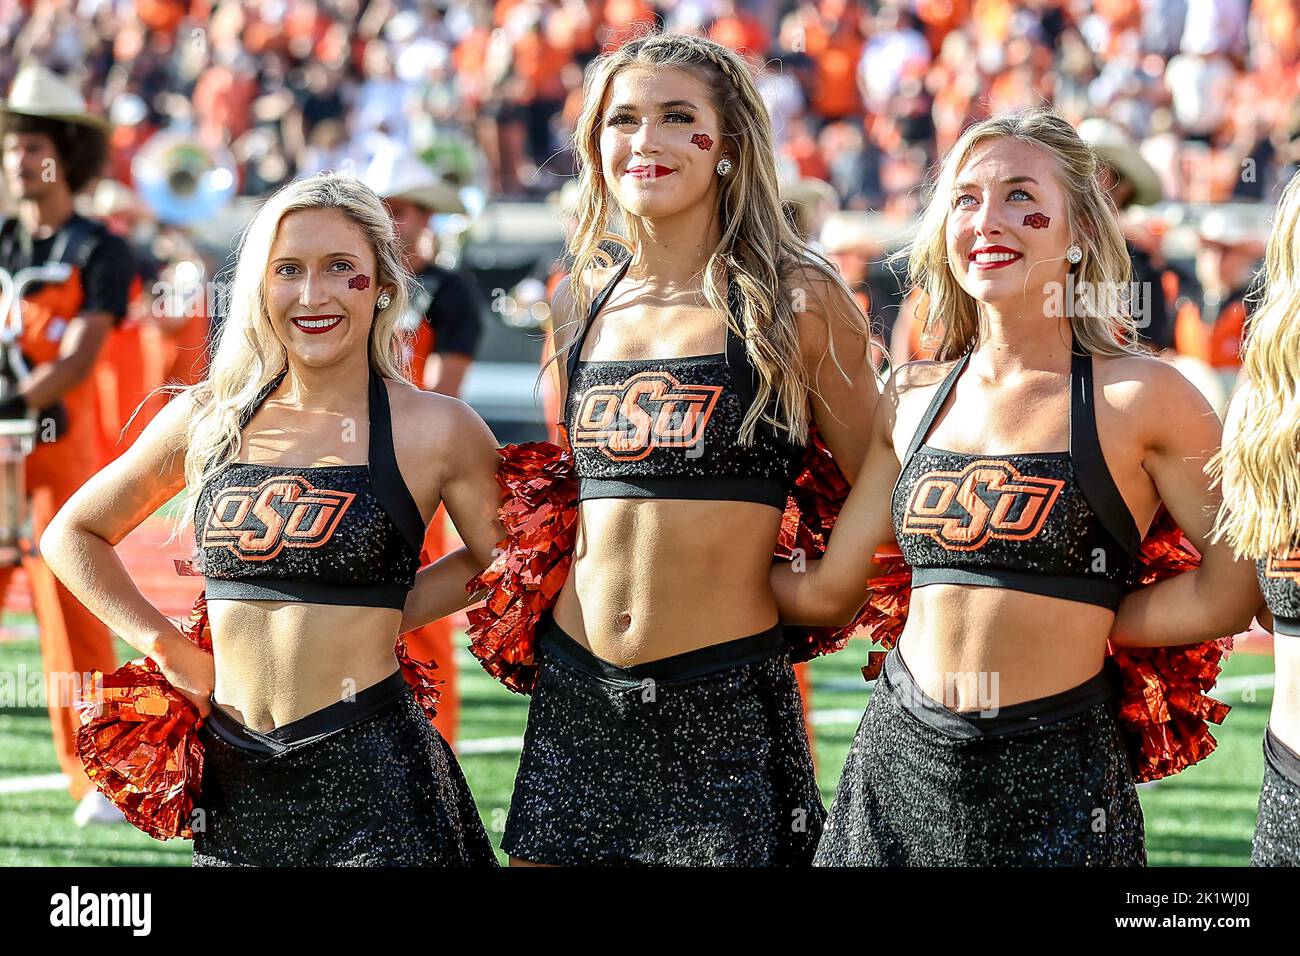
[(697, 759), (362, 782), (1046, 782), (1277, 828)]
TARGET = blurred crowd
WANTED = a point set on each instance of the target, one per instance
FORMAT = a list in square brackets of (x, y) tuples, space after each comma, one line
[(865, 95)]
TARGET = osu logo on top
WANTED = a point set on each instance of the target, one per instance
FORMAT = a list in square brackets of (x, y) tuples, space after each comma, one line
[(646, 411), (987, 499), (259, 522), (1285, 564)]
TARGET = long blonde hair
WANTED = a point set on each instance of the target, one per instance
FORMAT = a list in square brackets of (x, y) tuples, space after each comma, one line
[(1262, 459), (757, 249), (248, 354), (952, 315)]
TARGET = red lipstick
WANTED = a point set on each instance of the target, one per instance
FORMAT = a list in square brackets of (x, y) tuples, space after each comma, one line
[(1003, 257), (320, 324), (650, 171)]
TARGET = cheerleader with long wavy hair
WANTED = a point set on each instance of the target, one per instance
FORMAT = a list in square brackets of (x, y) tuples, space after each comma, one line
[(698, 350), (1259, 467), (1017, 473), (310, 468)]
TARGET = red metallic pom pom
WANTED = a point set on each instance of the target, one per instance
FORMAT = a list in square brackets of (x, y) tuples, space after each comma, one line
[(539, 513)]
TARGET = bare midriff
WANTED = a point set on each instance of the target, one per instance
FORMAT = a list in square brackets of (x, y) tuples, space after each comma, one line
[(278, 661), (980, 648), (1284, 717), (652, 578)]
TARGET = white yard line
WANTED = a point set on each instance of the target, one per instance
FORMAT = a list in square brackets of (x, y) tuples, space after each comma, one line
[(44, 781), (490, 745), (832, 716)]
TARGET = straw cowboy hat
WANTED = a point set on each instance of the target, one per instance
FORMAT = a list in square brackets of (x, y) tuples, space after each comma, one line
[(1223, 229), (112, 198), (846, 232), (1114, 146), (37, 91), (397, 174), (813, 193)]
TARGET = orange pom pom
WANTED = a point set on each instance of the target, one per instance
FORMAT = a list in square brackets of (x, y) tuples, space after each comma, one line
[(815, 498), (139, 740), (540, 514), (1164, 707)]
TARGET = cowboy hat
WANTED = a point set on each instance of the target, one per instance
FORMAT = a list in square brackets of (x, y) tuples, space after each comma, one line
[(810, 192), (38, 91), (1222, 229), (112, 198), (846, 232), (1115, 148), (396, 174)]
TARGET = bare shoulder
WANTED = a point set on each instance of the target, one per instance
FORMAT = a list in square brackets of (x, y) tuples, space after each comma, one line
[(1155, 404), (907, 392), (564, 301), (153, 466), (810, 276), (1146, 386), (429, 423), (822, 307), (563, 313), (166, 433)]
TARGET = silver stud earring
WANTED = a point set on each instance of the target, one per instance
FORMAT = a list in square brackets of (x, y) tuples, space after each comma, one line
[(384, 300), (1074, 254), (724, 166)]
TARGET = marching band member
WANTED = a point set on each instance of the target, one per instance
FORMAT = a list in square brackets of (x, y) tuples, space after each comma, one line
[(53, 149)]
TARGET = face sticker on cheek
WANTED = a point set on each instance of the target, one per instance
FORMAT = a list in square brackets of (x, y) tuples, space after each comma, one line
[(702, 141), (359, 282), (1037, 220)]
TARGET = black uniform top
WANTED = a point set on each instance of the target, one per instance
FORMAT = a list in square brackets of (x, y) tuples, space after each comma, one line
[(670, 428), (105, 277), (1050, 523), (1279, 580), (326, 534)]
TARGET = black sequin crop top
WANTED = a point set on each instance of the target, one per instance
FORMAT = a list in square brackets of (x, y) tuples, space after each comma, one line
[(333, 534), (1279, 581), (670, 428), (1048, 523)]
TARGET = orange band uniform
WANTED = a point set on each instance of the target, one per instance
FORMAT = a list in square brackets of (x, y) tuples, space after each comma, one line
[(73, 641)]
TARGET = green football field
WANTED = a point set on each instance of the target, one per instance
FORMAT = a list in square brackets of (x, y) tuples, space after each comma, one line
[(1202, 817)]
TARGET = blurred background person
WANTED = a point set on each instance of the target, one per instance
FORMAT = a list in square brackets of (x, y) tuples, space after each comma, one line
[(445, 323), (53, 148), (1130, 181)]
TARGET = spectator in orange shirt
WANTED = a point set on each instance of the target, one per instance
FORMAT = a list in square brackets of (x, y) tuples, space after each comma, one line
[(835, 54), (739, 30)]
